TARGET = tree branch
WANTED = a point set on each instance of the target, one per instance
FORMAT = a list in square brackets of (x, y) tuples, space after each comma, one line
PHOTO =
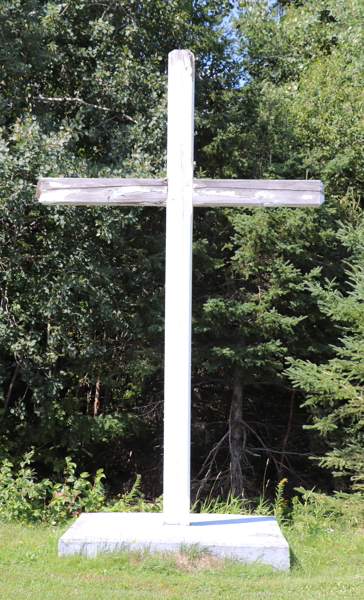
[(80, 101)]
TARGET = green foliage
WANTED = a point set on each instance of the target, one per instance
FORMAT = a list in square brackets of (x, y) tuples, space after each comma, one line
[(280, 505), (306, 64), (316, 513), (299, 115), (232, 505), (76, 494), (134, 501), (335, 390), (309, 513), (24, 499), (83, 93), (258, 506)]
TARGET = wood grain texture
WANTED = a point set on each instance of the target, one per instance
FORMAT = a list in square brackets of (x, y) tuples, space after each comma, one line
[(125, 196), (217, 197), (258, 192), (206, 192), (46, 184), (53, 183), (261, 184)]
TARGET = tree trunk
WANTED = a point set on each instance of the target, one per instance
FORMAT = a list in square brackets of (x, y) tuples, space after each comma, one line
[(288, 433), (88, 399), (96, 406), (8, 395), (237, 435)]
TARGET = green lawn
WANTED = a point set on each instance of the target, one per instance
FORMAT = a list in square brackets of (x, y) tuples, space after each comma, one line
[(328, 565)]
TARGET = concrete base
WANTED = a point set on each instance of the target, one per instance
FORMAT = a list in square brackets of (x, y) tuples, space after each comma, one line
[(243, 537)]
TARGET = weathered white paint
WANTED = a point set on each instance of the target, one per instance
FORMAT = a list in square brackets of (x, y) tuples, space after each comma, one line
[(272, 204), (103, 191), (133, 189), (265, 194), (177, 382), (206, 192)]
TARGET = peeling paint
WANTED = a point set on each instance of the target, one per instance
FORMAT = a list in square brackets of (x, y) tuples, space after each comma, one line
[(216, 192), (265, 194), (136, 189), (57, 184), (272, 204)]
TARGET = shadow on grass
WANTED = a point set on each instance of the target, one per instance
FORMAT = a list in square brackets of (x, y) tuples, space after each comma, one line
[(295, 563)]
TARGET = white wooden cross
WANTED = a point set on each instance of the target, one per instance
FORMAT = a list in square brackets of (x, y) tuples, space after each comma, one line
[(179, 193)]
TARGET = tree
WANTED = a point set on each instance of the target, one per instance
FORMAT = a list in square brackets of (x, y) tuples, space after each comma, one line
[(298, 115), (83, 93), (335, 390), (81, 322)]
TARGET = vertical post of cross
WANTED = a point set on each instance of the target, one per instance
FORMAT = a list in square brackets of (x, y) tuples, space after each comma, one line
[(178, 294)]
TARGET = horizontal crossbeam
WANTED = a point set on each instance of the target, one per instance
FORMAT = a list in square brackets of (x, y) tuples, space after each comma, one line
[(206, 192)]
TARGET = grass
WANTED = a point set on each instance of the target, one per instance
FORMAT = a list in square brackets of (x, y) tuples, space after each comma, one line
[(326, 565)]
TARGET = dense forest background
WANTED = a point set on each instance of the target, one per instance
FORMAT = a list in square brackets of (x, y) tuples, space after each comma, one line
[(278, 311)]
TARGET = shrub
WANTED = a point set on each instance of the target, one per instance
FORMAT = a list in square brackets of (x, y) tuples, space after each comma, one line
[(22, 498)]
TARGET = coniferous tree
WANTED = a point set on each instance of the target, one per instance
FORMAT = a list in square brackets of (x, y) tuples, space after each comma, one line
[(335, 390)]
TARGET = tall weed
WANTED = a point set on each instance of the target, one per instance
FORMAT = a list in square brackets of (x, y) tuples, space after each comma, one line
[(314, 512), (134, 501), (25, 499)]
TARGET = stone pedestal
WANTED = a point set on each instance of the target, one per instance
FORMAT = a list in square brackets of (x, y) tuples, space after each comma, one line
[(244, 537)]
